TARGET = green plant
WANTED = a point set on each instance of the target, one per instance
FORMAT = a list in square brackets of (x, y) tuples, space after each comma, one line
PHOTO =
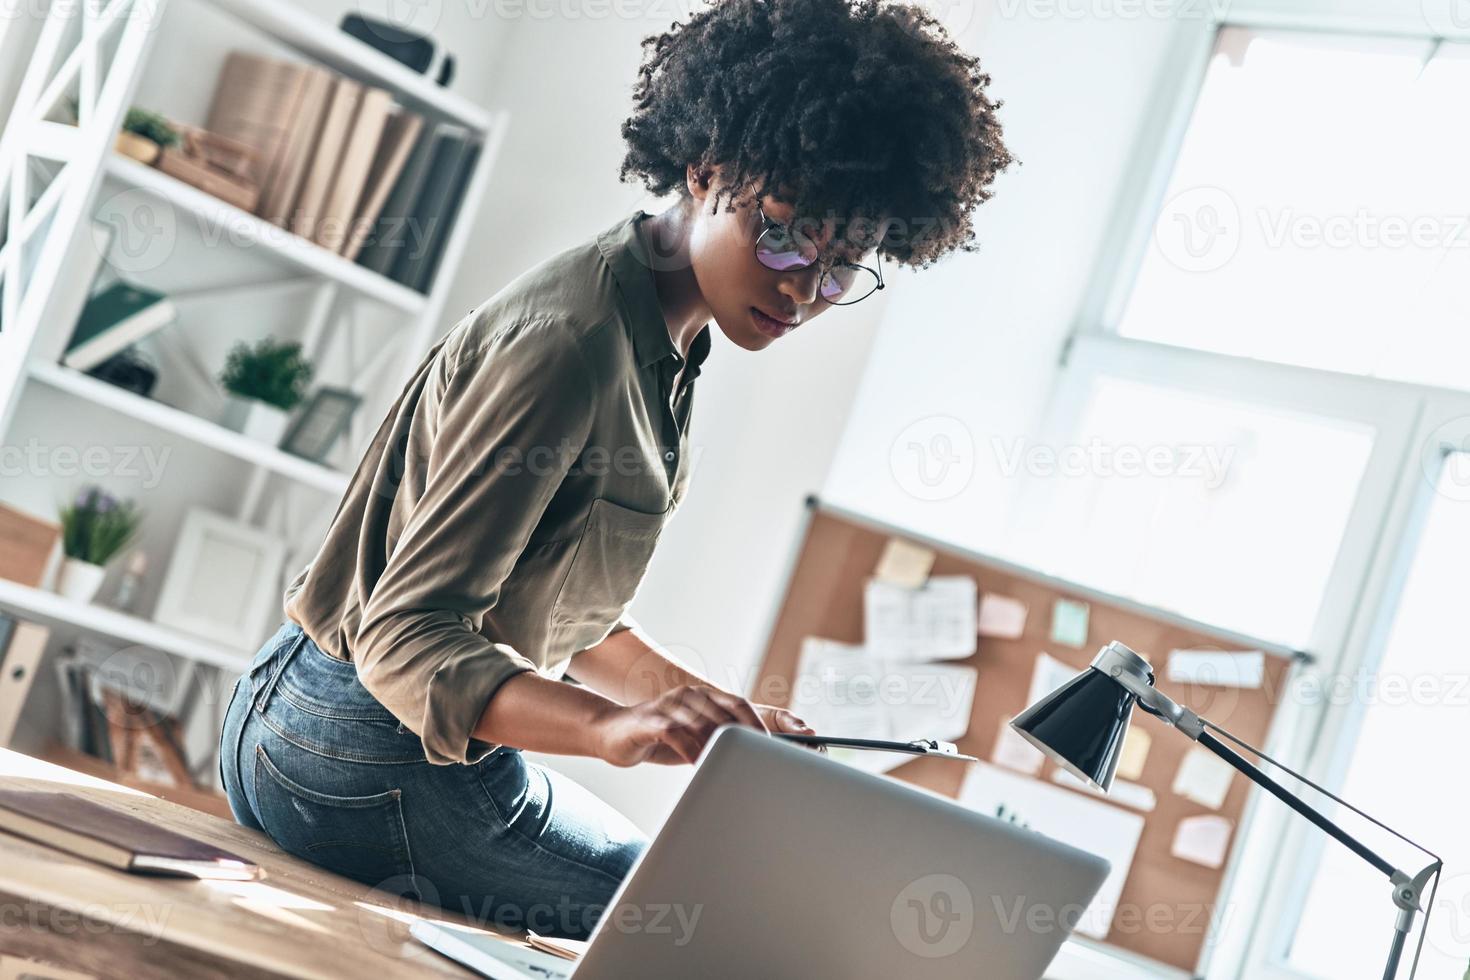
[(272, 371), (151, 125), (96, 526)]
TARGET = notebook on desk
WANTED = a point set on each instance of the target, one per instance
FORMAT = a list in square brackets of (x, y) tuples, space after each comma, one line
[(119, 840)]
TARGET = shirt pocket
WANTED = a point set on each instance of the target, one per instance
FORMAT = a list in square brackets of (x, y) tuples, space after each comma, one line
[(612, 556)]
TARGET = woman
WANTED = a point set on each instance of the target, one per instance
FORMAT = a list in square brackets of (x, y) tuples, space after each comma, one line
[(500, 522)]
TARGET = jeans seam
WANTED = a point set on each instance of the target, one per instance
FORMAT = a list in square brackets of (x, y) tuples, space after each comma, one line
[(327, 754), (490, 798)]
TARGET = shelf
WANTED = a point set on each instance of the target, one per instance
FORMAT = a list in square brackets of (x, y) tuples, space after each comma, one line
[(324, 42), (191, 427), (241, 226), (54, 610)]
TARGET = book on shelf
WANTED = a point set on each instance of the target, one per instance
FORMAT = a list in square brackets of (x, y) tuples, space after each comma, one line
[(21, 649), (311, 205), (400, 135), (88, 829), (439, 235), (390, 235), (433, 210), (278, 196), (364, 134), (254, 103), (116, 317)]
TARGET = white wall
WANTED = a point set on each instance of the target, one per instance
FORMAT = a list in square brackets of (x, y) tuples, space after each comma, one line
[(978, 339)]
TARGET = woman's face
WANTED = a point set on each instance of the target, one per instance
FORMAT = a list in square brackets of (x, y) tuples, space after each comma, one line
[(754, 305)]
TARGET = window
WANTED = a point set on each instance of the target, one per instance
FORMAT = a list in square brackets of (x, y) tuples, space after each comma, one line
[(1414, 711), (1225, 512), (1319, 212)]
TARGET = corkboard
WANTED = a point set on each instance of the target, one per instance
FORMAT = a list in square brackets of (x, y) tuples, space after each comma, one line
[(1167, 903)]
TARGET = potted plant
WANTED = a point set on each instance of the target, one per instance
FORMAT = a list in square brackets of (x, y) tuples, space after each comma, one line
[(262, 384), (145, 134), (94, 528)]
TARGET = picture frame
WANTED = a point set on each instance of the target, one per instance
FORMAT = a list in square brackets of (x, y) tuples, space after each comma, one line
[(223, 580), (320, 423)]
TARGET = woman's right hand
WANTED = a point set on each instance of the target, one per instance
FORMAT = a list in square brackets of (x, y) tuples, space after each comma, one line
[(672, 728)]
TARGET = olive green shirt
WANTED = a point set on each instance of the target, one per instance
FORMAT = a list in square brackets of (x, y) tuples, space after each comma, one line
[(506, 510)]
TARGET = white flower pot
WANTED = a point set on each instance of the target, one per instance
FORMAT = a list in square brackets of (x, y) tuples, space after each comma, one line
[(79, 579), (255, 419)]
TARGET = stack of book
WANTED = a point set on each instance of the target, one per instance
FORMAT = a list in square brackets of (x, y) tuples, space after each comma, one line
[(340, 164)]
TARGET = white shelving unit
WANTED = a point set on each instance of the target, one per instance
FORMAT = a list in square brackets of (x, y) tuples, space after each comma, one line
[(54, 176)]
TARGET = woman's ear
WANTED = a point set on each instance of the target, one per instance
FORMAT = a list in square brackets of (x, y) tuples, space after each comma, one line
[(700, 180)]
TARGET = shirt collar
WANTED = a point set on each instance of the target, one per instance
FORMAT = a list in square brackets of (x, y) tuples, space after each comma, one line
[(628, 259)]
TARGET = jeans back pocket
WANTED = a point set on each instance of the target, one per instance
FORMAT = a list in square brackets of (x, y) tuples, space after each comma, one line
[(361, 837)]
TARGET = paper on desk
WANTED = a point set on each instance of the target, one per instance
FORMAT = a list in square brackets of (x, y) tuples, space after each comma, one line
[(904, 564), (1001, 616), (936, 622), (1203, 778), (1136, 743), (1204, 840), (1069, 623), (1222, 669), (1089, 824), (845, 690), (1014, 752)]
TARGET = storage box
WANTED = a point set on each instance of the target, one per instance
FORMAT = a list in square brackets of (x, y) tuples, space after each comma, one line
[(26, 545)]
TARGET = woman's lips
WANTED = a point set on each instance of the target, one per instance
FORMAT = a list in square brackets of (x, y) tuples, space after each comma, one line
[(769, 326)]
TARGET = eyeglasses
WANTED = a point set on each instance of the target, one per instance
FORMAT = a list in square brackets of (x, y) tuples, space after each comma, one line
[(844, 283)]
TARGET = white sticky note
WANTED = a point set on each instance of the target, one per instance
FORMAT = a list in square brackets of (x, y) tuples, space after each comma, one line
[(1135, 795), (1048, 675), (935, 622), (1218, 668), (1204, 840), (904, 564), (1136, 744), (1203, 778), (1014, 752), (1002, 617)]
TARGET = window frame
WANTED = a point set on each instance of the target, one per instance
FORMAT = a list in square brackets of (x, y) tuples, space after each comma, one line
[(1277, 853)]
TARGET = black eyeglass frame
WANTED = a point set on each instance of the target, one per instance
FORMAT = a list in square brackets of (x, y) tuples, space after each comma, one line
[(771, 224)]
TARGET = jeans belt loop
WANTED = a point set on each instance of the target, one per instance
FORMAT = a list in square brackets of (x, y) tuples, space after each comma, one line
[(264, 693)]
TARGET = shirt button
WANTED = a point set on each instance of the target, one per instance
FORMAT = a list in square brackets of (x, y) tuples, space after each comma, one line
[(669, 456)]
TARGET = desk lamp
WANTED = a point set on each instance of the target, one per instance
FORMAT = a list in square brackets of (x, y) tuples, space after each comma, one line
[(1080, 726)]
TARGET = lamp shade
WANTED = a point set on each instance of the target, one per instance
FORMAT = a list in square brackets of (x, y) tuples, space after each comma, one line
[(1080, 726)]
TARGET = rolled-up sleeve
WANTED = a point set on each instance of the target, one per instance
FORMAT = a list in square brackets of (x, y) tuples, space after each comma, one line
[(510, 420)]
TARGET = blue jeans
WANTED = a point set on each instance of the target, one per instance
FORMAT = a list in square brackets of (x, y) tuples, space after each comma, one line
[(308, 756)]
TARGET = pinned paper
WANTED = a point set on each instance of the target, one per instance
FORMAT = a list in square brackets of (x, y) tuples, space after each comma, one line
[(1203, 778), (1072, 818), (1069, 623), (1222, 669), (904, 564), (1048, 675), (1014, 752), (1136, 744), (846, 690), (1002, 617), (935, 622), (1204, 840), (1136, 795)]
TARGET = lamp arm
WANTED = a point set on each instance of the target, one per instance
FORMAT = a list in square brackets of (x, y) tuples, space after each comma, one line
[(1408, 890)]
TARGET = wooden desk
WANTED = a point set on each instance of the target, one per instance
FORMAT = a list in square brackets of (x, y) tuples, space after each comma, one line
[(297, 921)]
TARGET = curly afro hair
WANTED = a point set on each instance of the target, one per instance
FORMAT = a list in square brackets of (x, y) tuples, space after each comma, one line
[(850, 107)]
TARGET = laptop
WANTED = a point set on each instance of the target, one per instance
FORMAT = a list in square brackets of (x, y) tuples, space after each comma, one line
[(779, 862)]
